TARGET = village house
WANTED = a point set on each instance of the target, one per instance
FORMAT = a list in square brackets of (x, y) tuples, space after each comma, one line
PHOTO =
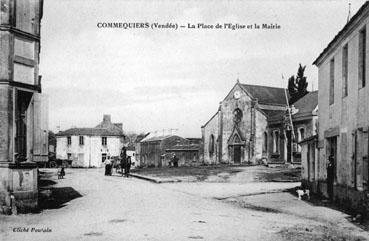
[(253, 124), (304, 116), (139, 160), (89, 147), (344, 114), (153, 148), (23, 112)]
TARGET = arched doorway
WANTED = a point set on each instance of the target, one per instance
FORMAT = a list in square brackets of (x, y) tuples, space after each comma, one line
[(237, 149)]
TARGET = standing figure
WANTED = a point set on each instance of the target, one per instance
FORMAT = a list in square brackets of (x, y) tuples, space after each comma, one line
[(330, 176), (175, 160), (123, 159), (108, 166), (128, 166)]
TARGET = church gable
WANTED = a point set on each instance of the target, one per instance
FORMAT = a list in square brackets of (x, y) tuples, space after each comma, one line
[(236, 137), (237, 93)]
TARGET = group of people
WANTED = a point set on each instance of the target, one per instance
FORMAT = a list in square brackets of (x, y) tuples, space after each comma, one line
[(125, 164)]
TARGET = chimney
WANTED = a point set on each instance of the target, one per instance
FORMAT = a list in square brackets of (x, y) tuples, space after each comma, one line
[(107, 118)]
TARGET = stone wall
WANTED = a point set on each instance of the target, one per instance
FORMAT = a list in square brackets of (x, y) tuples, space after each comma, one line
[(227, 108), (211, 129), (6, 123), (261, 127)]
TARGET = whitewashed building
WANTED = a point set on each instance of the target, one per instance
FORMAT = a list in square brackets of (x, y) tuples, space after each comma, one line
[(89, 147)]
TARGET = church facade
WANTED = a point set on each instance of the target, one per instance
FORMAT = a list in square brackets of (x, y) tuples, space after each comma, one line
[(252, 124)]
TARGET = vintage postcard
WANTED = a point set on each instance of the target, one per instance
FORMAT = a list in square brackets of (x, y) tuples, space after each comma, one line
[(184, 120)]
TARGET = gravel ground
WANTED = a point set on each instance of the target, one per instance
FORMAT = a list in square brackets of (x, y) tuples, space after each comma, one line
[(91, 206)]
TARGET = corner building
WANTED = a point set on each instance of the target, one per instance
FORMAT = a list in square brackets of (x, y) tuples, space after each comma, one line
[(23, 126)]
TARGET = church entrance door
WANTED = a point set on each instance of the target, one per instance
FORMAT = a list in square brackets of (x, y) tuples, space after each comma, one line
[(237, 154)]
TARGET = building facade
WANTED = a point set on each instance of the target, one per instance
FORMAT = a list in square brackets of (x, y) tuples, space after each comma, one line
[(235, 133), (282, 138), (89, 147), (23, 128), (153, 149), (187, 154), (139, 160), (344, 123), (253, 124)]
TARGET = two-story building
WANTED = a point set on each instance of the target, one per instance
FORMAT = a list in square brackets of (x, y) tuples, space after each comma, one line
[(89, 147), (344, 113), (23, 126)]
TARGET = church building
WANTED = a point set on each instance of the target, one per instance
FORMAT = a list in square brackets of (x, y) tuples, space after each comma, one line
[(253, 124), (235, 134)]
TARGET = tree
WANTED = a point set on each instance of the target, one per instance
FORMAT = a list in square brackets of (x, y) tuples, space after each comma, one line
[(297, 87)]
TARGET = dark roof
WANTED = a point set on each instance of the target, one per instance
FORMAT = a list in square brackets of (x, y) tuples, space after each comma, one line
[(267, 95), (274, 113), (307, 104), (141, 136), (343, 30), (158, 138), (107, 124), (90, 132)]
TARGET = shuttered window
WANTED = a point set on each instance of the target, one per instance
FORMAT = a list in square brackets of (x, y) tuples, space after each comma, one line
[(331, 82), (344, 70), (362, 58)]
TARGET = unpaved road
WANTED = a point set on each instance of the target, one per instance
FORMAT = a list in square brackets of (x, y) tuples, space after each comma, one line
[(116, 208)]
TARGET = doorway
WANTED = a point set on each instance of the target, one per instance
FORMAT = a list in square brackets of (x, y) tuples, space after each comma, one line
[(332, 164), (23, 100), (237, 154)]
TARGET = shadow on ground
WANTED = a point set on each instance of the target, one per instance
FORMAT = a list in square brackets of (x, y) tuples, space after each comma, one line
[(51, 197), (317, 200)]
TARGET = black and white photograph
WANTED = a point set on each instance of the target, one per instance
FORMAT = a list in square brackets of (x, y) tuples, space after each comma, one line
[(184, 120)]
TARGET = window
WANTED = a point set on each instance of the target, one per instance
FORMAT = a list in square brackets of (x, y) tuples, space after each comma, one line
[(69, 156), (331, 82), (237, 115), (300, 137), (104, 140), (103, 156), (81, 140), (362, 58), (265, 141), (275, 141), (69, 140), (344, 70), (211, 145)]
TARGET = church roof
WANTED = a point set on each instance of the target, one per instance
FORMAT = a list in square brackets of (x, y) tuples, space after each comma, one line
[(274, 114), (267, 95), (307, 104)]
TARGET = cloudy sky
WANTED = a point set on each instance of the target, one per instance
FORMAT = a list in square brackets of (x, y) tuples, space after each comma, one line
[(161, 79)]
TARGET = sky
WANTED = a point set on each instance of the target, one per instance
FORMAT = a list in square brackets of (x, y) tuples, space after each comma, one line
[(155, 79)]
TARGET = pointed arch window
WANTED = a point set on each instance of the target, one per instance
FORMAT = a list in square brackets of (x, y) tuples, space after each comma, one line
[(265, 139), (211, 145)]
